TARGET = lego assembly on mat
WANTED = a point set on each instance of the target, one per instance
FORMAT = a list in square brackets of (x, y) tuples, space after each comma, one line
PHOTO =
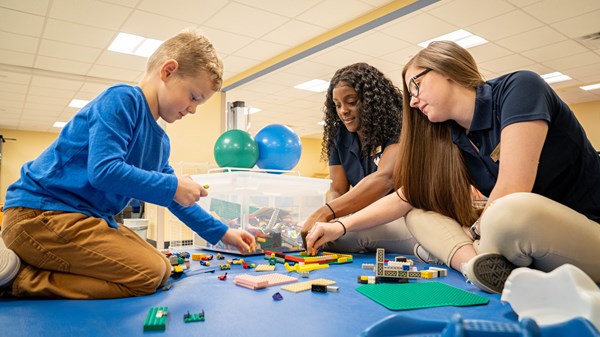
[(252, 168)]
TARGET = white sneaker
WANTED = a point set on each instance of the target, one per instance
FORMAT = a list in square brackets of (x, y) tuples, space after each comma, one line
[(9, 266), (488, 272), (424, 256)]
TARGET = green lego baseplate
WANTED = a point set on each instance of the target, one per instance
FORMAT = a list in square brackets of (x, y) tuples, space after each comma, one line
[(156, 320), (405, 296)]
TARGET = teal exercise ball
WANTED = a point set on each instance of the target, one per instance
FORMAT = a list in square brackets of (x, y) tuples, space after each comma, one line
[(236, 148), (279, 147)]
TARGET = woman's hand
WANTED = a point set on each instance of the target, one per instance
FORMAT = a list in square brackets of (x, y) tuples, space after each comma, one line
[(321, 233)]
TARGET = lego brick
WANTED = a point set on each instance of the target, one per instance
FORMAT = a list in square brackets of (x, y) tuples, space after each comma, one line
[(304, 286), (156, 319), (262, 281), (189, 318), (264, 267)]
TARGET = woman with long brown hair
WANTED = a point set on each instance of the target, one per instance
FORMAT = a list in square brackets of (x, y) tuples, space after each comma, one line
[(516, 141)]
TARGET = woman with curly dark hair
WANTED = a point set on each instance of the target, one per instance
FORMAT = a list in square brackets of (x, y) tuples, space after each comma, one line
[(363, 113)]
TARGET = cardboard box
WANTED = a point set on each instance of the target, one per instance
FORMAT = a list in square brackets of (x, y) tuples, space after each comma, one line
[(273, 207)]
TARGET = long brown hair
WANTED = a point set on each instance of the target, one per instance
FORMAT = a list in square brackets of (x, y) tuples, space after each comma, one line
[(430, 169)]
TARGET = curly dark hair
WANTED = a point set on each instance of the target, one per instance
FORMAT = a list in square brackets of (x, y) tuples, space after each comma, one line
[(380, 105)]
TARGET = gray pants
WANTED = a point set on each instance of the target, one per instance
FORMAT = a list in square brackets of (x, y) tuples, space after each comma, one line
[(394, 237), (528, 229)]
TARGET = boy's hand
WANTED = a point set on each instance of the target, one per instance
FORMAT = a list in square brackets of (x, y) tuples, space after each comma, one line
[(241, 239), (188, 191)]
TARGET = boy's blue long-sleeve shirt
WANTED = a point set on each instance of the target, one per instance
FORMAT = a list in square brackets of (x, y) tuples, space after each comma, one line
[(110, 152)]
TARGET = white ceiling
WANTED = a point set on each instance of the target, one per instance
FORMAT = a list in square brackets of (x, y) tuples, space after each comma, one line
[(53, 51)]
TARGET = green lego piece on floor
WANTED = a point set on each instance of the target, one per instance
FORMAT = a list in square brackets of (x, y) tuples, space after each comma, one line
[(188, 318), (156, 319)]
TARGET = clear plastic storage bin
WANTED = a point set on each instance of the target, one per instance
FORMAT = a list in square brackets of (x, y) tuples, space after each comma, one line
[(273, 207)]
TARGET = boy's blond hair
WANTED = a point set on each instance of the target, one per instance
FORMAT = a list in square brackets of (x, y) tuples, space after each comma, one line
[(194, 52)]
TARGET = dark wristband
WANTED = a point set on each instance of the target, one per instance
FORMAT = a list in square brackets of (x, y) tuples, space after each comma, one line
[(343, 226), (331, 209)]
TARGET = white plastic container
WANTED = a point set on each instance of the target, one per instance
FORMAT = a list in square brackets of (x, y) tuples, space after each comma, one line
[(139, 226), (273, 207)]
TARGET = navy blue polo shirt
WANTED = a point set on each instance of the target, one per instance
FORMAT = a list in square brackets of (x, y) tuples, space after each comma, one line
[(346, 151), (569, 167)]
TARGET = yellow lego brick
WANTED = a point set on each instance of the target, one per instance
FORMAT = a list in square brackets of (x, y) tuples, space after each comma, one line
[(288, 267), (198, 256), (309, 267), (426, 274)]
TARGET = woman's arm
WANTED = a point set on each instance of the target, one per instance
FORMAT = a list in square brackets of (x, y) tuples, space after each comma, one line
[(520, 149), (382, 211), (339, 182), (344, 201), (371, 188)]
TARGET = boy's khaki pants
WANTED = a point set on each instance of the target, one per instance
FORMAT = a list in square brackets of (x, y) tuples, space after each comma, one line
[(527, 228), (72, 255)]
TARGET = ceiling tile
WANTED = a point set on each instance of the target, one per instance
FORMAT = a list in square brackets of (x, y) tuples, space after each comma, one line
[(62, 94), (583, 59), (234, 64), (488, 51), (21, 23), (262, 50), (13, 88), (332, 13), (54, 82), (520, 22), (340, 57), (245, 20), (285, 79), (311, 69), (581, 25), (92, 88), (376, 44), (289, 9), (225, 42), (16, 58), (293, 33), (118, 74), (38, 7), (197, 11), (78, 34), (376, 3), (551, 11), (463, 13), (509, 63), (532, 39), (554, 51), (68, 51), (402, 56), (161, 27), (9, 99), (120, 60), (14, 77), (61, 65), (105, 15), (19, 43), (422, 27)]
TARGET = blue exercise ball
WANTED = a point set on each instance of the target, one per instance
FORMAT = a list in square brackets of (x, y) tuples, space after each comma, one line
[(279, 147)]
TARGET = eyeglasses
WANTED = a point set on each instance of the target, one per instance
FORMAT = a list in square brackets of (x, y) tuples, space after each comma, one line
[(413, 87)]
